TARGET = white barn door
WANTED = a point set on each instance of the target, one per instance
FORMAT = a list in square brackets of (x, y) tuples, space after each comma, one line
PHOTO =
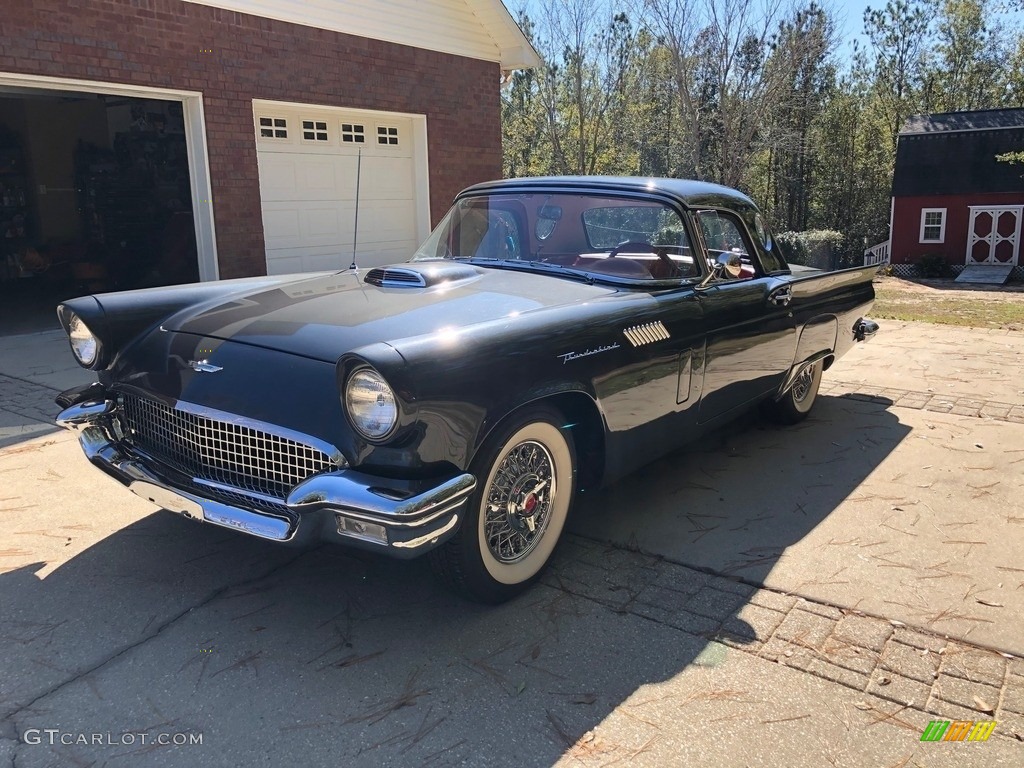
[(993, 236)]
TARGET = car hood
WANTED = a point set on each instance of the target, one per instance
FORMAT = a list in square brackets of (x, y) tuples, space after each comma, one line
[(325, 316)]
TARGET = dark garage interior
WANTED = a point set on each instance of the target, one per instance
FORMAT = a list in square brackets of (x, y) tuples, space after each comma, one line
[(94, 196)]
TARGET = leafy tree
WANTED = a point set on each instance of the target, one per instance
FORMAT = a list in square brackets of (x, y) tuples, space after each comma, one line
[(750, 93), (967, 61), (897, 37)]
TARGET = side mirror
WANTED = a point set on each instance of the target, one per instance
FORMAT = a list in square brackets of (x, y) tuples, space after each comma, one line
[(728, 263)]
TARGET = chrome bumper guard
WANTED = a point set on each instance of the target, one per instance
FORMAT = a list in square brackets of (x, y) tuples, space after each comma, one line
[(401, 518)]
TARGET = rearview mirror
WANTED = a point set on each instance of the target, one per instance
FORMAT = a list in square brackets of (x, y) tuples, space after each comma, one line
[(549, 212)]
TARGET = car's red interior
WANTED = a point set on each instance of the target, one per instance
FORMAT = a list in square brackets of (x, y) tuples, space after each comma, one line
[(565, 241)]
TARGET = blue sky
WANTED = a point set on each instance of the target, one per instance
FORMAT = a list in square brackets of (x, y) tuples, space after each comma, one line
[(849, 16)]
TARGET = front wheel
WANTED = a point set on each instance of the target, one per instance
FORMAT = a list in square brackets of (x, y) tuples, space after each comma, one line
[(798, 400), (526, 476)]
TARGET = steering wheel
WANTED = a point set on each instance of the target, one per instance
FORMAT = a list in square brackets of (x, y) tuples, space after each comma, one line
[(635, 246), (641, 246)]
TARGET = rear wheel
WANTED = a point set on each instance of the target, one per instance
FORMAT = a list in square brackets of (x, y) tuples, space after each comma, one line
[(526, 474), (798, 400)]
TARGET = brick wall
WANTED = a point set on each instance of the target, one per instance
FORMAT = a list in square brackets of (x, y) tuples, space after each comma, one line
[(163, 43)]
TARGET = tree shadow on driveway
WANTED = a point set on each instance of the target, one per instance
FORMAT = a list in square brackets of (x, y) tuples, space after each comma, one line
[(326, 656)]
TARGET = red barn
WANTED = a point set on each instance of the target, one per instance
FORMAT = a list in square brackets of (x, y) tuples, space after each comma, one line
[(952, 201)]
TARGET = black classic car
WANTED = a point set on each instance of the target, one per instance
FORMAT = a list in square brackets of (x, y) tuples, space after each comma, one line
[(551, 334)]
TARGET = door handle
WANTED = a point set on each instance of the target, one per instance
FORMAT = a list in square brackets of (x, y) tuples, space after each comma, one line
[(781, 297)]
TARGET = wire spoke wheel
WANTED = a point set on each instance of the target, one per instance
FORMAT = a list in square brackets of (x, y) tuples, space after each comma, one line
[(526, 481), (796, 402), (518, 502), (802, 385)]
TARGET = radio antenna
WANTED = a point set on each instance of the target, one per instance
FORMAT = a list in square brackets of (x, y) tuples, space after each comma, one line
[(355, 226)]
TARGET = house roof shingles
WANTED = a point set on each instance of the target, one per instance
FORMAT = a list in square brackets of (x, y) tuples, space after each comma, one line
[(946, 122), (954, 153)]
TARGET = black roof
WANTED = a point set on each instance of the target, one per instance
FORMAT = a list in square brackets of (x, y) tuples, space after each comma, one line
[(954, 153), (979, 120), (690, 193)]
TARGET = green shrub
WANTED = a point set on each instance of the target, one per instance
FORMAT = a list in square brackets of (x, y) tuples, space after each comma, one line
[(812, 248), (933, 265)]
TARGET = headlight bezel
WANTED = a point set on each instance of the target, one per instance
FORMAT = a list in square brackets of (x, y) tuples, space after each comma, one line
[(378, 436), (76, 325)]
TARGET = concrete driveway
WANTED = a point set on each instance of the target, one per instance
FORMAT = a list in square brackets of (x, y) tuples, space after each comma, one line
[(800, 596), (901, 496)]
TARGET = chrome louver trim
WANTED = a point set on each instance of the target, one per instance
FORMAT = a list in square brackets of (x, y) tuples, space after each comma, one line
[(647, 333), (224, 449), (395, 278)]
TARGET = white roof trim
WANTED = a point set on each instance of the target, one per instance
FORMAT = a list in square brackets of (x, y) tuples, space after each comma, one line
[(477, 29), (516, 51)]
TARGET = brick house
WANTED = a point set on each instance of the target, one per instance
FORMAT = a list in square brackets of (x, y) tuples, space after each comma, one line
[(155, 141), (951, 200)]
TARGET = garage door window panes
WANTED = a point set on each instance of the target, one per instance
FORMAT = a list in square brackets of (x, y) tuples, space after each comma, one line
[(273, 128), (353, 133), (314, 130), (387, 135)]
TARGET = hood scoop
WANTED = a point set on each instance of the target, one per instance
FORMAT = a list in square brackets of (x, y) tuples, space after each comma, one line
[(430, 274)]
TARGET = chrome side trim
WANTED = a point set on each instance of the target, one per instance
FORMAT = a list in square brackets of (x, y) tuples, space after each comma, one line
[(648, 333)]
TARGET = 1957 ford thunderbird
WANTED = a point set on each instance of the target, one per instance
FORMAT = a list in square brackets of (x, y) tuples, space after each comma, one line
[(551, 334)]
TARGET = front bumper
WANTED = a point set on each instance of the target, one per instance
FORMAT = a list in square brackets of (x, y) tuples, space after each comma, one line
[(399, 518)]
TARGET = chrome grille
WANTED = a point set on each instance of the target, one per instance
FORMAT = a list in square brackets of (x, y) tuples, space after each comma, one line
[(221, 451)]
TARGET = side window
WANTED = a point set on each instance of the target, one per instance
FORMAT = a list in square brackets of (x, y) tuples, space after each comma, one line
[(771, 257), (651, 234), (723, 233)]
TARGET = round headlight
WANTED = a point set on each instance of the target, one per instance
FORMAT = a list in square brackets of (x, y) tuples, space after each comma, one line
[(371, 404), (83, 343)]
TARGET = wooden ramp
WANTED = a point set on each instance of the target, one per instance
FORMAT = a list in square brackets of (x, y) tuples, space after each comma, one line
[(989, 274)]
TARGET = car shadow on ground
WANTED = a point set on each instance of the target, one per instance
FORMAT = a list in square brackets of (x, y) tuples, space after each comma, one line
[(733, 502), (345, 658)]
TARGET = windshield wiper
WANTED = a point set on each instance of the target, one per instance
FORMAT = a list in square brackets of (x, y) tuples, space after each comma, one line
[(540, 266)]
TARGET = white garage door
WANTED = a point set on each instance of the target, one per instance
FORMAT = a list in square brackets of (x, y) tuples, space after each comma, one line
[(307, 165)]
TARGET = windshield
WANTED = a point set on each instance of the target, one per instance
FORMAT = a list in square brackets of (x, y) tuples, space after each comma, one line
[(593, 234)]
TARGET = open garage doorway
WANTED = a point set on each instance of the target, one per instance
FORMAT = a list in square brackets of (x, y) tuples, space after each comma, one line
[(95, 195)]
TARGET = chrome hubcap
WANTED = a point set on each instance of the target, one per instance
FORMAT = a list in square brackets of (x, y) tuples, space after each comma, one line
[(518, 502), (802, 385)]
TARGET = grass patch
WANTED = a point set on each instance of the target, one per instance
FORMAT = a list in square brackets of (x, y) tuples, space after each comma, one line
[(973, 310)]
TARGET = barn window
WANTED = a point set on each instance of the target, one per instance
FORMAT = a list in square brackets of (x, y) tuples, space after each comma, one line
[(933, 225)]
